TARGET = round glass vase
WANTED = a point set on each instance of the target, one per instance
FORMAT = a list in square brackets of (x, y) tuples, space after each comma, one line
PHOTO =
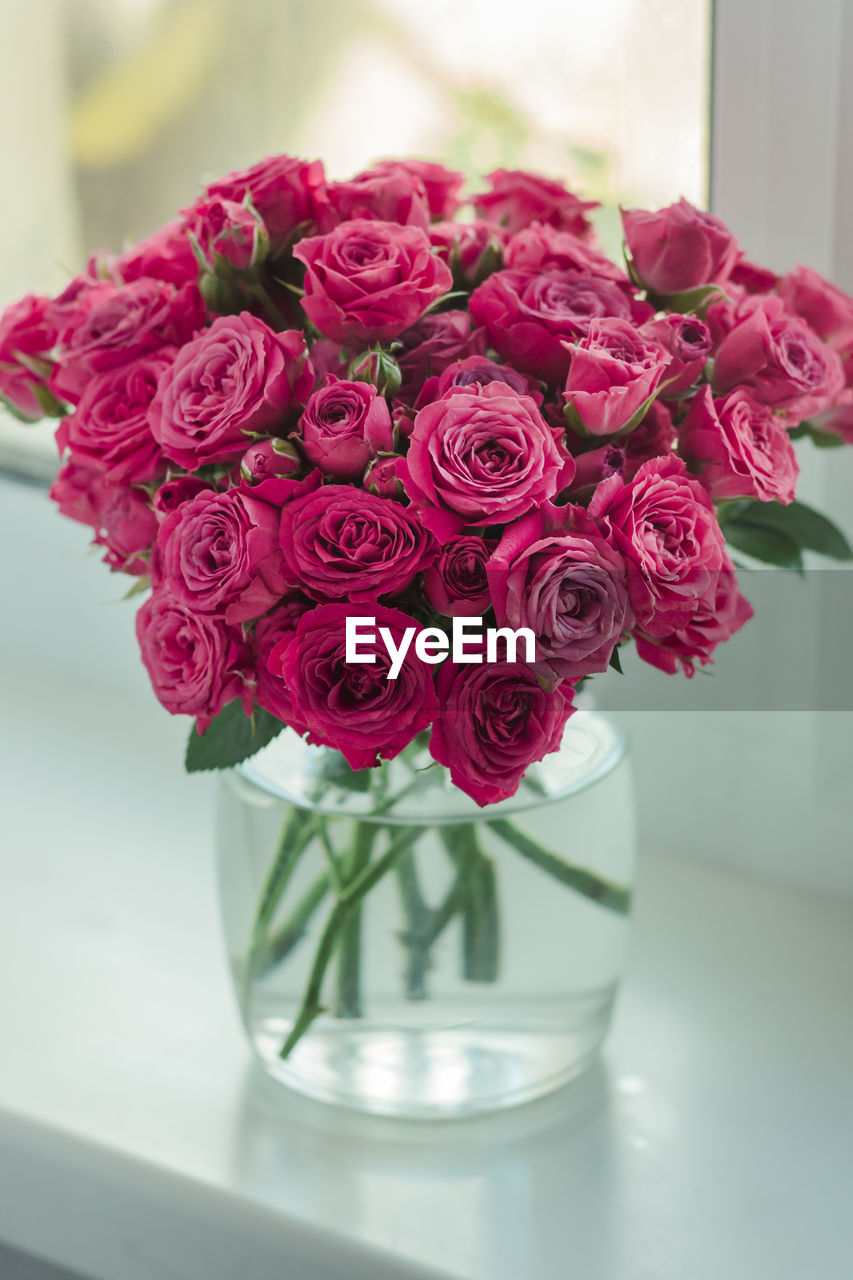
[(397, 949)]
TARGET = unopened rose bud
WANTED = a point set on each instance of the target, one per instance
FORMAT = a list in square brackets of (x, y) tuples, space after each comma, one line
[(270, 458), (379, 368), (381, 476)]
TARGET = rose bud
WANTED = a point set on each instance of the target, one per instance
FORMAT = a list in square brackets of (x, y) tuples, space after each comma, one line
[(378, 368), (596, 465), (268, 458), (456, 583), (381, 476), (679, 248), (225, 233), (688, 341), (175, 491), (344, 425)]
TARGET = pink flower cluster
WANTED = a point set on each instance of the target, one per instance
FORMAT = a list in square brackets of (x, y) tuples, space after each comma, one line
[(304, 401)]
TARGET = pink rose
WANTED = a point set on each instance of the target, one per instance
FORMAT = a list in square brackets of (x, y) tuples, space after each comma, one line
[(381, 477), (172, 493), (79, 489), (663, 523), (227, 230), (442, 186), (479, 371), (541, 247), (266, 459), (594, 465), (287, 192), (110, 424), (344, 425), (431, 345), (108, 326), (678, 248), (127, 528), (195, 662), (354, 707), (688, 342), (388, 192), (554, 573), (369, 281), (482, 455), (528, 316), (824, 307), (614, 371), (27, 330), (329, 357), (496, 720), (343, 543), (717, 616), (271, 692), (751, 278), (456, 584), (236, 377), (219, 553), (517, 198), (738, 448), (784, 360), (165, 255), (472, 250), (838, 421)]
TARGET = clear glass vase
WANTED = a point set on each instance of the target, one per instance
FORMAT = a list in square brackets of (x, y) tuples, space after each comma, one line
[(399, 950)]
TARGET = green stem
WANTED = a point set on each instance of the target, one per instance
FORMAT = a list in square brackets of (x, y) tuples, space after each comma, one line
[(348, 1001), (280, 945), (598, 889), (348, 901), (260, 292), (417, 935), (479, 903)]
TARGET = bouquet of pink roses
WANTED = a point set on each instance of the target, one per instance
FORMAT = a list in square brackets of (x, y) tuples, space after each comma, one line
[(396, 478), (339, 432)]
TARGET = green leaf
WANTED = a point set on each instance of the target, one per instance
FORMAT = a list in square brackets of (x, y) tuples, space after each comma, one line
[(16, 412), (232, 736), (139, 586), (810, 530), (820, 439), (615, 661), (694, 301), (764, 543)]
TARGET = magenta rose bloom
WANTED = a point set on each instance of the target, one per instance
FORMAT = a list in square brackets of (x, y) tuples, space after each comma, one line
[(127, 528), (266, 459), (165, 255), (516, 198), (554, 573), (663, 523), (482, 455), (196, 663), (614, 371), (781, 358), (441, 186), (541, 247), (27, 329), (431, 345), (236, 377), (478, 371), (107, 326), (78, 490), (287, 192), (219, 553), (678, 248), (456, 583), (824, 307), (595, 465), (387, 192), (368, 281), (738, 448), (110, 424), (496, 720), (354, 706), (687, 340), (528, 316), (716, 617), (344, 425), (172, 493), (343, 543), (227, 230), (271, 692)]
